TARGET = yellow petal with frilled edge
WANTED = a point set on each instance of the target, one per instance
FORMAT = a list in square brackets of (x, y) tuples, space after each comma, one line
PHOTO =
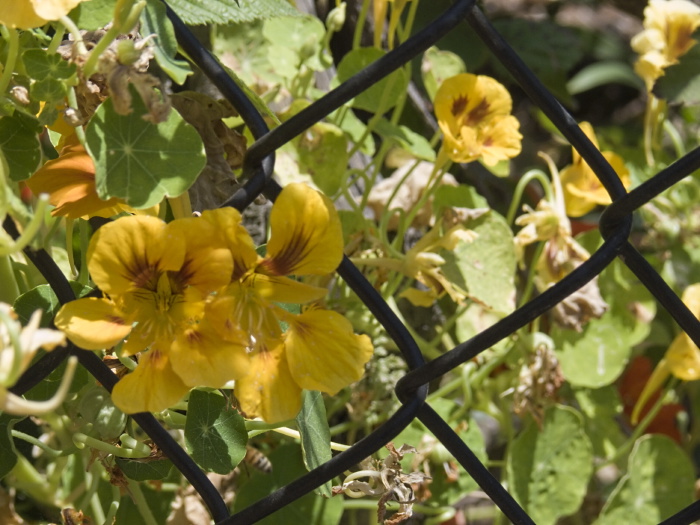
[(53, 9), (133, 252), (283, 289), (684, 358), (691, 298), (323, 352), (306, 236), (500, 140), (153, 386), (268, 390), (208, 263), (228, 223), (20, 14), (92, 323), (201, 358)]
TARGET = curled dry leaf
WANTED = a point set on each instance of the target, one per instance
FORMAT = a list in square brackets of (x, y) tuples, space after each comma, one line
[(225, 147), (387, 481)]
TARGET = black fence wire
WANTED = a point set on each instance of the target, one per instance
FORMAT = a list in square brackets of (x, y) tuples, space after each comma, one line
[(615, 227)]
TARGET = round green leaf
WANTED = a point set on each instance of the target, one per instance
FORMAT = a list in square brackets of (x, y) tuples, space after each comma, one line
[(215, 434), (142, 162), (437, 66), (549, 468), (323, 154), (20, 145), (41, 65), (659, 483), (386, 92)]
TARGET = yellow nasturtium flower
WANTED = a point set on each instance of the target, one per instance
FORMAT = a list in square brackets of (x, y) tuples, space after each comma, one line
[(318, 351), (26, 14), (473, 112), (201, 306), (583, 191), (682, 359), (668, 27), (156, 278)]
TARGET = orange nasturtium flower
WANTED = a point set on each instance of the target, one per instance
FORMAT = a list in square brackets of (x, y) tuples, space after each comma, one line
[(473, 112), (583, 191), (26, 14), (682, 359), (70, 182), (318, 350), (668, 28)]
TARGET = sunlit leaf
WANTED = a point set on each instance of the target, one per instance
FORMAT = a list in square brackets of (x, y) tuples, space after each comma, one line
[(142, 162), (315, 435), (549, 467), (215, 434), (195, 12), (659, 482), (154, 21)]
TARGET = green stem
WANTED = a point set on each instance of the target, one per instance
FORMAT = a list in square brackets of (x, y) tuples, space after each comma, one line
[(141, 503), (74, 30), (84, 275), (531, 175), (359, 27), (113, 507), (675, 137), (37, 443), (27, 479), (9, 291), (639, 429), (57, 38), (530, 282), (12, 52), (30, 230)]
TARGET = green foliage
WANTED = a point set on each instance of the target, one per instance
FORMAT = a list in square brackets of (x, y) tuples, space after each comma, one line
[(549, 468), (485, 267), (658, 483), (437, 66), (142, 162), (287, 466), (8, 452), (145, 470), (215, 434), (382, 95), (194, 12), (315, 435), (154, 21), (43, 298), (20, 145)]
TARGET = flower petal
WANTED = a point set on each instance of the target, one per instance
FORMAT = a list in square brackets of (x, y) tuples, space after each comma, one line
[(92, 323), (268, 390), (153, 386), (20, 15), (284, 290), (323, 352), (132, 252), (228, 222), (208, 263), (306, 234), (201, 358), (683, 358), (70, 182)]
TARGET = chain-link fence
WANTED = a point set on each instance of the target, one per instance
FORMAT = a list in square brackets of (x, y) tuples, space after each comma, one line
[(615, 227)]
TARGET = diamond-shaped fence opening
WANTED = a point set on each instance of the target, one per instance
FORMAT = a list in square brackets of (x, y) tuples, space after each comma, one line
[(615, 227)]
